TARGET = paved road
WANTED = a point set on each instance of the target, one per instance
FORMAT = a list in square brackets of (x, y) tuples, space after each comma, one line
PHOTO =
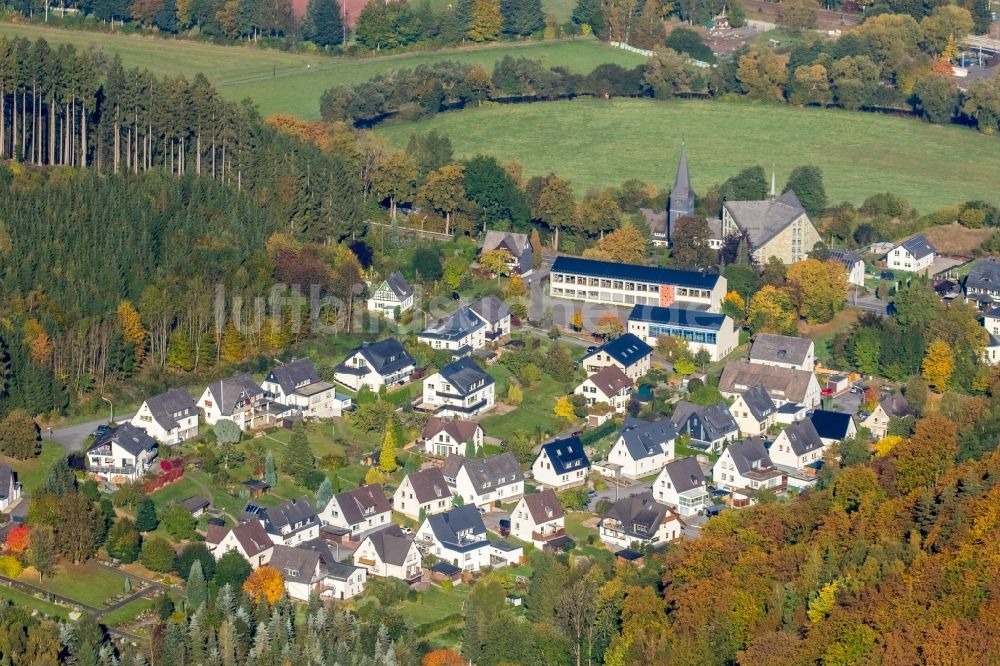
[(72, 437)]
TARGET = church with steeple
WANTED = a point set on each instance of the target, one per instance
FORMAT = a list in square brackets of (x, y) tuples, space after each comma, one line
[(680, 203)]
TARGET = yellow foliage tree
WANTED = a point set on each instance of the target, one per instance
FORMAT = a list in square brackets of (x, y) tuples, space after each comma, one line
[(374, 475), (823, 603), (939, 363), (132, 331), (626, 245), (885, 445), (486, 20), (564, 408), (771, 311), (514, 394), (387, 456), (265, 584), (39, 342), (233, 347), (820, 288), (578, 320), (496, 262), (734, 306)]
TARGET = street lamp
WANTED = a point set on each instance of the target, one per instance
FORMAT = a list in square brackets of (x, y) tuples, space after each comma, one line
[(112, 419)]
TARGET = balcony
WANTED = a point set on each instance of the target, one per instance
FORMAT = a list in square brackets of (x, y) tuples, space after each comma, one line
[(547, 535), (113, 471)]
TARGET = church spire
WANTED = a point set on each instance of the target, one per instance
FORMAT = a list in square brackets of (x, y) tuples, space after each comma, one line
[(682, 181)]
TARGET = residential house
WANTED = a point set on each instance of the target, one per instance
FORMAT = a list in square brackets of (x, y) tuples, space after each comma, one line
[(643, 447), (891, 407), (169, 418), (457, 537), (746, 466), (10, 489), (521, 253), (638, 521), (775, 227), (595, 281), (495, 314), (991, 322), (300, 569), (459, 389), (628, 352), (390, 554), (853, 264), (609, 385), (289, 524), (833, 427), (297, 384), (912, 255), (538, 518), (782, 384), (711, 427), (798, 446), (362, 510), (754, 411), (982, 284), (462, 332), (561, 464), (249, 539), (342, 581), (443, 437), (382, 363), (715, 333), (391, 297), (122, 455), (483, 482), (681, 485), (422, 491), (783, 351), (239, 399)]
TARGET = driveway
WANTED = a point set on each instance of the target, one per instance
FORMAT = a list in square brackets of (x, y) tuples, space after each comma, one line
[(493, 518), (617, 490), (72, 437)]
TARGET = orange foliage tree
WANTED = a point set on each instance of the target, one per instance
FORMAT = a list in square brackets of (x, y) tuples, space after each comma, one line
[(18, 540), (265, 584), (443, 657)]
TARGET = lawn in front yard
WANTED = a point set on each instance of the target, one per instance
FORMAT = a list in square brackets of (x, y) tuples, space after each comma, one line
[(435, 604), (32, 472), (534, 412), (575, 527), (90, 584)]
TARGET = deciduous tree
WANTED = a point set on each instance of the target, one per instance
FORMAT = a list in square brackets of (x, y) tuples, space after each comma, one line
[(564, 408), (938, 364), (387, 455), (265, 585), (689, 238), (19, 435)]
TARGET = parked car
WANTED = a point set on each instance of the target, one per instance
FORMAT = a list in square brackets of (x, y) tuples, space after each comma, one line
[(102, 430), (406, 530), (591, 349), (504, 527)]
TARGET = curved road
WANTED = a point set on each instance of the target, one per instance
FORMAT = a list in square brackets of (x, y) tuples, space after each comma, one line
[(72, 437)]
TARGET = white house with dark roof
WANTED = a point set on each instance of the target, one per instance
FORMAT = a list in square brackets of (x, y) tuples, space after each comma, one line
[(382, 363), (495, 314), (746, 466), (422, 491), (754, 411), (238, 398), (783, 384), (389, 553), (991, 324), (484, 481), (459, 389), (833, 427), (711, 426), (391, 297), (10, 488), (713, 332), (249, 539), (300, 568), (297, 384), (361, 511), (643, 447), (561, 464), (639, 520), (798, 446), (169, 418), (518, 245), (443, 436), (124, 454), (462, 332), (776, 227), (342, 581), (982, 284), (853, 264), (609, 385), (630, 354), (912, 255), (681, 485), (783, 351), (457, 536), (290, 524), (538, 518), (891, 407)]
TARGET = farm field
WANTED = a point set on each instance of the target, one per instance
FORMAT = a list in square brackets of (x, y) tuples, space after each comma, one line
[(598, 143), (280, 82)]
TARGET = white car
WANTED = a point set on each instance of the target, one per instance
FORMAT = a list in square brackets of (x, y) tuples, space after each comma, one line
[(406, 530)]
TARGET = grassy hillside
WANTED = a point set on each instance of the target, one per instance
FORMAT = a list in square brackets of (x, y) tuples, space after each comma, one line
[(292, 83), (596, 143)]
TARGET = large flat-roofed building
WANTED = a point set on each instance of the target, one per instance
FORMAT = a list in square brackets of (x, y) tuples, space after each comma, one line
[(631, 284), (710, 331)]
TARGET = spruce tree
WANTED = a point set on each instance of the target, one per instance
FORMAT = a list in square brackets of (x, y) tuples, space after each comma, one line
[(324, 494), (324, 24), (299, 459), (522, 17), (145, 516), (197, 590), (387, 457), (270, 473)]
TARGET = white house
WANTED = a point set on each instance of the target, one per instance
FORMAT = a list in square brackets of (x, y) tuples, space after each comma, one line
[(169, 418), (382, 363), (123, 455), (561, 464), (892, 407), (250, 540), (715, 333), (290, 524), (484, 481), (362, 510), (495, 314), (746, 465), (297, 384), (628, 352), (833, 427), (853, 264), (459, 389), (754, 411), (390, 554), (391, 297), (609, 386), (913, 255), (462, 332), (342, 581), (457, 537), (239, 399), (797, 446), (783, 351), (444, 437), (643, 447), (639, 520), (521, 253), (682, 486), (300, 569), (783, 384), (424, 490), (538, 518), (10, 489), (712, 427)]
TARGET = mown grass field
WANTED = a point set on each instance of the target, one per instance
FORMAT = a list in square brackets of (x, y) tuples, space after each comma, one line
[(597, 143), (280, 82)]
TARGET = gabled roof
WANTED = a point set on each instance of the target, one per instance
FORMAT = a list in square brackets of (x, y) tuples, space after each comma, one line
[(830, 425), (566, 455), (399, 286), (763, 220), (465, 376), (896, 405), (984, 275), (803, 437), (490, 309), (918, 246), (682, 181), (196, 503), (685, 474), (544, 506), (132, 439), (626, 349), (429, 485), (750, 454), (300, 372), (385, 356), (486, 474), (773, 348), (252, 538), (228, 392), (846, 257), (614, 270), (645, 439), (508, 240), (391, 545), (786, 384), (362, 502), (7, 477), (461, 323), (716, 419), (458, 429), (297, 565), (758, 402), (167, 407), (609, 380), (293, 512), (338, 570), (455, 528), (640, 515), (677, 316)]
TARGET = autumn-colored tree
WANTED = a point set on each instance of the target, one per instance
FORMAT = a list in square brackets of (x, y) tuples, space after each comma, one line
[(536, 248), (496, 261), (609, 326), (886, 445), (514, 394), (577, 320), (925, 455), (265, 585), (374, 475), (395, 179), (818, 288), (673, 347), (690, 243), (938, 364), (443, 657), (38, 340), (486, 20), (762, 74), (557, 206), (19, 435), (564, 408), (824, 601), (233, 347), (812, 85), (597, 213), (771, 311), (444, 191), (624, 245), (144, 11), (17, 541), (132, 331), (387, 455), (734, 306)]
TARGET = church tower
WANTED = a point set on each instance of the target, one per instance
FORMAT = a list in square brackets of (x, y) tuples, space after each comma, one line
[(681, 202)]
